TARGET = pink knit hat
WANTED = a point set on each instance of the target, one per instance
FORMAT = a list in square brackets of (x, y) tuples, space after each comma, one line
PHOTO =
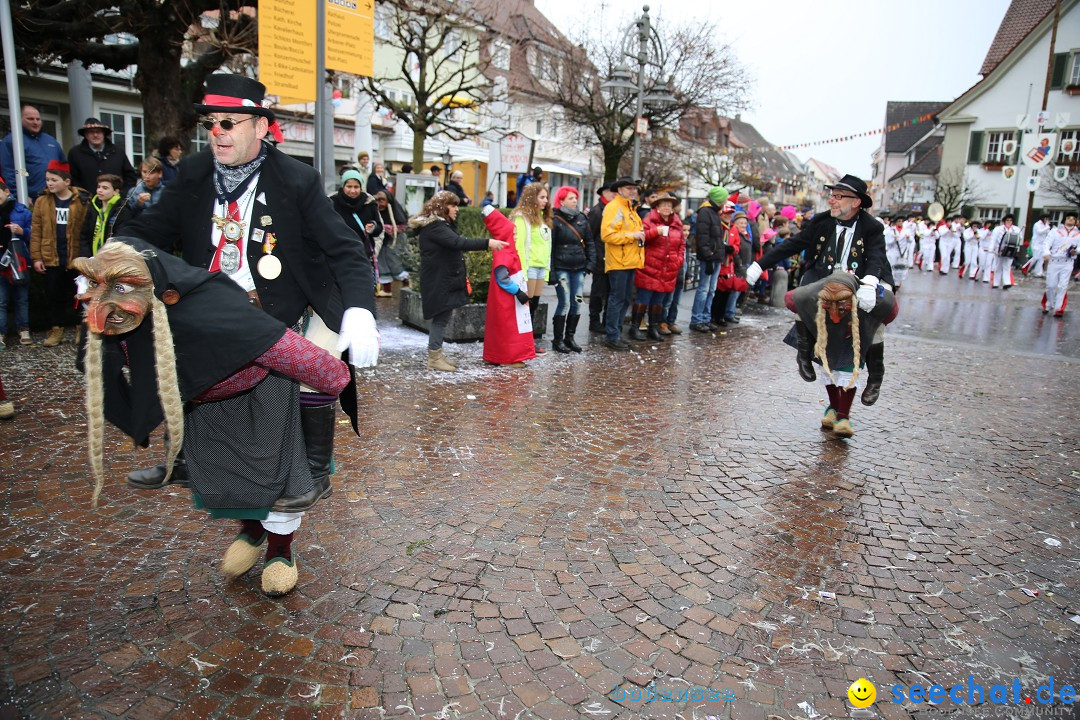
[(788, 211), (561, 194)]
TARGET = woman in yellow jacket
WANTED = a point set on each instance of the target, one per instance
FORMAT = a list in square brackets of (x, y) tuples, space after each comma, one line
[(532, 236)]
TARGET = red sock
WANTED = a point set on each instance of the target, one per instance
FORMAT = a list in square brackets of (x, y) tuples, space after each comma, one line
[(279, 546), (831, 390), (253, 529), (844, 397)]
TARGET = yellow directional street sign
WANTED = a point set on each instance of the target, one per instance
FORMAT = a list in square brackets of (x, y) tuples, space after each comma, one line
[(350, 36), (287, 44)]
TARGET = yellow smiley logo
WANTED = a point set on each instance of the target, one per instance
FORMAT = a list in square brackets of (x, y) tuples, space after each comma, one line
[(862, 693)]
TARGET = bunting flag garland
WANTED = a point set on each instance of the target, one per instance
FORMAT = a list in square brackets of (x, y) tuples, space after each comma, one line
[(845, 138)]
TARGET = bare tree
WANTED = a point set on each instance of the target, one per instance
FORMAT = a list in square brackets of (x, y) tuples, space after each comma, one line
[(149, 34), (713, 167), (442, 65), (693, 66), (661, 163), (1068, 189), (954, 190)]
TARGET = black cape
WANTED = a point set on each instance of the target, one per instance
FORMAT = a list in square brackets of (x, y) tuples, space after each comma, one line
[(216, 332), (838, 344)]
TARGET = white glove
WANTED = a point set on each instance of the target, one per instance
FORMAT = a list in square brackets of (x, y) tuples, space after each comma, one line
[(81, 284), (359, 334), (753, 274), (866, 295)]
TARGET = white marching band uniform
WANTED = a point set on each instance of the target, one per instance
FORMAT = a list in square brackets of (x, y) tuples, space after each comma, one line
[(900, 250), (1061, 247), (1002, 266), (1039, 233), (949, 246), (986, 254), (971, 252), (927, 245)]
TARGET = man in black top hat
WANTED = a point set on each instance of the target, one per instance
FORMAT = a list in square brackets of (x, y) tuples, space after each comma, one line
[(598, 291), (97, 155), (846, 239), (244, 208)]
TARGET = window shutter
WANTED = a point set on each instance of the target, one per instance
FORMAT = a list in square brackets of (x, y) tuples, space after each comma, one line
[(1057, 76), (975, 147)]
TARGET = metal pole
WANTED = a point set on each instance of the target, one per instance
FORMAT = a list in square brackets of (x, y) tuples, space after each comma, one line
[(14, 105), (1019, 162), (1045, 97), (642, 58), (324, 111)]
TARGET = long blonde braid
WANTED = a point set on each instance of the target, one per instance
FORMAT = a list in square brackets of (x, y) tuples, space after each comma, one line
[(820, 341), (168, 385), (95, 413)]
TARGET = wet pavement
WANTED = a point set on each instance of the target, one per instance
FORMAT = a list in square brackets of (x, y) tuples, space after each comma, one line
[(553, 541)]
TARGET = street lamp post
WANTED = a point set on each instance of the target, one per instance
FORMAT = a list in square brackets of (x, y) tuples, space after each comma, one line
[(448, 162), (650, 51)]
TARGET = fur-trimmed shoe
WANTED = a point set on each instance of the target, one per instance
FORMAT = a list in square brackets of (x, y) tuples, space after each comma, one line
[(241, 556), (279, 576), (828, 420), (842, 428)]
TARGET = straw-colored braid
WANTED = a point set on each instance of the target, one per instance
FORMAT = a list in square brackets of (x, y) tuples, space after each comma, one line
[(856, 348), (95, 413), (168, 385), (819, 345)]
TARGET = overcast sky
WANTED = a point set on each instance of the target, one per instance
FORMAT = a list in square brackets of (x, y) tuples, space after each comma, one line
[(826, 69)]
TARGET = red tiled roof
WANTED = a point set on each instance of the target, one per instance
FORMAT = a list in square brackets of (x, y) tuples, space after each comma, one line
[(1020, 19), (902, 138), (929, 163)]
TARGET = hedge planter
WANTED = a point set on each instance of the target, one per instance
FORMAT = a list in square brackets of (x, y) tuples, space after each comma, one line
[(466, 322)]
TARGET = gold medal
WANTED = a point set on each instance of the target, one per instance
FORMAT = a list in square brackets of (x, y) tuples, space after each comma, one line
[(269, 267)]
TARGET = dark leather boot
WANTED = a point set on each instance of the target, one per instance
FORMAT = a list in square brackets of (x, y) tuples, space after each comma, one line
[(875, 373), (804, 352), (152, 478), (318, 424), (655, 311), (571, 328), (635, 322), (558, 326)]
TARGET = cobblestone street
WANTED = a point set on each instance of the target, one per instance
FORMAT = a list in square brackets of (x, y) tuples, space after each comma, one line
[(515, 543)]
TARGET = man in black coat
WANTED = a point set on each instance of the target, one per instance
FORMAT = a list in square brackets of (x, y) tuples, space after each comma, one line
[(598, 291), (97, 155), (847, 239), (243, 208)]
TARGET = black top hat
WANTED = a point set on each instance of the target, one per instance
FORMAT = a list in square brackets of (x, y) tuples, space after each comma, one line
[(855, 185), (625, 181), (93, 123), (234, 93)]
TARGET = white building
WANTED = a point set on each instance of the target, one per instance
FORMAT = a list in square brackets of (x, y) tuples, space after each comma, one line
[(984, 122), (898, 145)]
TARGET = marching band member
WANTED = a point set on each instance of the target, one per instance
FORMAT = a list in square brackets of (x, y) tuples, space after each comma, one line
[(1004, 244), (949, 233), (986, 255), (1059, 253), (1039, 232), (927, 245), (971, 249), (898, 247)]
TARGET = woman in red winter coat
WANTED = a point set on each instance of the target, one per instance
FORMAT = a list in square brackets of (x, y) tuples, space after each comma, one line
[(665, 247)]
